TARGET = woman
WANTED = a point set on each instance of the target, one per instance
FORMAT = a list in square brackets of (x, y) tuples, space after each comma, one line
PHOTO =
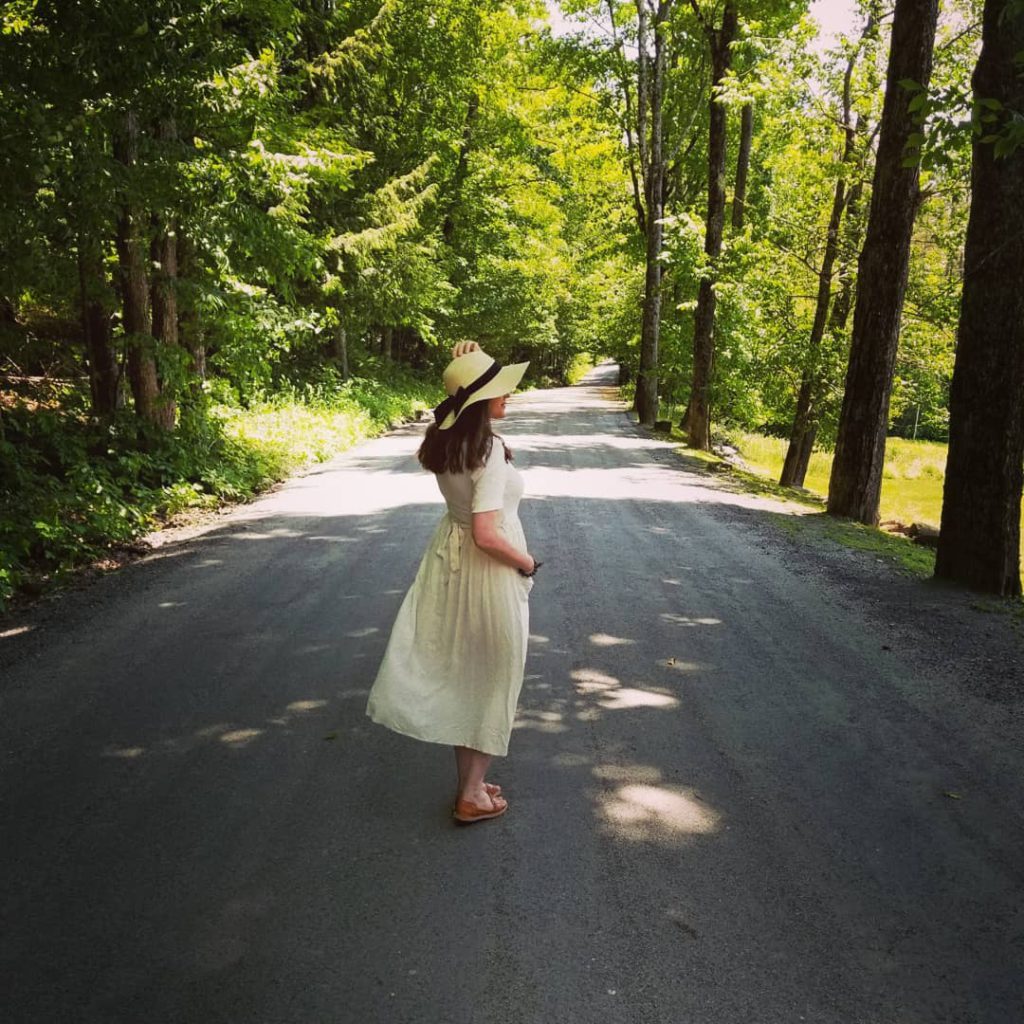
[(454, 665)]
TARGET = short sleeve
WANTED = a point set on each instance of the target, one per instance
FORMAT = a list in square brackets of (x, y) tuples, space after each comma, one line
[(489, 481)]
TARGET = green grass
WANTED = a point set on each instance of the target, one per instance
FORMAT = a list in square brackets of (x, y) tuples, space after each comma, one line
[(301, 426), (911, 478), (760, 452)]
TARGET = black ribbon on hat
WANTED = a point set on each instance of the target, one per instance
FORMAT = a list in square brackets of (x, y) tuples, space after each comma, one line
[(454, 403)]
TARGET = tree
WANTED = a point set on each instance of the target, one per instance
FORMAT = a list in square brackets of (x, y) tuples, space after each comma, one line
[(650, 104), (979, 540), (805, 419), (739, 196), (720, 41), (856, 480), (134, 284)]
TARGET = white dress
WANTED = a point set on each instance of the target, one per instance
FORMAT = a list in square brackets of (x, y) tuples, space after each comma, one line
[(454, 665)]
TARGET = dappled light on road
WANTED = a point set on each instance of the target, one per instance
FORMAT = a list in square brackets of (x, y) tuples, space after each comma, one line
[(15, 631), (590, 681), (604, 640), (233, 735), (689, 620), (306, 705), (540, 720), (640, 812), (239, 737), (629, 697), (611, 695), (676, 665)]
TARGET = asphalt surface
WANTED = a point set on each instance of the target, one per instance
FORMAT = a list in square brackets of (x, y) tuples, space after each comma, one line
[(729, 801)]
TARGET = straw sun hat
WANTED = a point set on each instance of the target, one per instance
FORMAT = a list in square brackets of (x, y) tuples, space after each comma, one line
[(474, 377)]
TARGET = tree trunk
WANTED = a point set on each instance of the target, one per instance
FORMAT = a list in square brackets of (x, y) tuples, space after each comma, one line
[(386, 338), (190, 332), (812, 385), (852, 237), (812, 388), (805, 427), (339, 350), (804, 422), (164, 284), (647, 377), (739, 195), (131, 254), (979, 541), (856, 480), (704, 316), (163, 296), (103, 376)]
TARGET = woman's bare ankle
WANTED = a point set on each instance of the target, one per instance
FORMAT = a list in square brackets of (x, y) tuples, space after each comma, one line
[(476, 794)]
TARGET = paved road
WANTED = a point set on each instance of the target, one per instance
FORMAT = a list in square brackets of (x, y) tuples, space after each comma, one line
[(727, 798)]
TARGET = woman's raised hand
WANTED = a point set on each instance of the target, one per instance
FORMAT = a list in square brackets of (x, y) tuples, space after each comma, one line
[(462, 347)]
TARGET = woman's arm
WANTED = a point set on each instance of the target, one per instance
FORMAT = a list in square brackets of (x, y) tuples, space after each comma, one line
[(488, 538)]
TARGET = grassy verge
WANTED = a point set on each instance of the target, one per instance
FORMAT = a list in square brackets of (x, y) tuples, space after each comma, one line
[(911, 477), (760, 452), (912, 480), (74, 493), (892, 548)]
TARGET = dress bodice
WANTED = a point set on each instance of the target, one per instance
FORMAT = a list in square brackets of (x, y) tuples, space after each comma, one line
[(495, 485)]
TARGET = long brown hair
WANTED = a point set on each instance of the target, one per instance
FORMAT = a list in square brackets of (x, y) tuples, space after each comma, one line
[(464, 446)]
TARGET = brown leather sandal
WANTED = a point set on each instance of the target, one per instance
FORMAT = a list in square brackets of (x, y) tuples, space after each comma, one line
[(466, 813), (492, 790)]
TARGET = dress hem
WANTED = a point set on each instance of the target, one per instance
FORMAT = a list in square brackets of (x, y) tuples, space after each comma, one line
[(431, 739)]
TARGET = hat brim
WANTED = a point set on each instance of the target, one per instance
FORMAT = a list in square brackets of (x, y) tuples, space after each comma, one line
[(505, 381)]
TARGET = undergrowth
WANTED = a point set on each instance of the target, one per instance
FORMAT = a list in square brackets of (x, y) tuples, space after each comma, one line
[(72, 489)]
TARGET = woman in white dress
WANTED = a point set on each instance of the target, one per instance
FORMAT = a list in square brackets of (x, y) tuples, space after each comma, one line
[(454, 664)]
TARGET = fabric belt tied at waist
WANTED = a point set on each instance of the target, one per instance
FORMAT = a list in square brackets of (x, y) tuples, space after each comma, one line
[(451, 546)]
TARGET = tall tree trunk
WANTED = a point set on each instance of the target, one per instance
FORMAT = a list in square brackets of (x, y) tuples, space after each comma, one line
[(339, 349), (739, 194), (103, 376), (979, 541), (856, 481), (812, 388), (190, 332), (654, 89), (386, 338), (805, 419), (852, 234), (131, 252), (164, 284), (805, 427), (164, 300), (704, 317)]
